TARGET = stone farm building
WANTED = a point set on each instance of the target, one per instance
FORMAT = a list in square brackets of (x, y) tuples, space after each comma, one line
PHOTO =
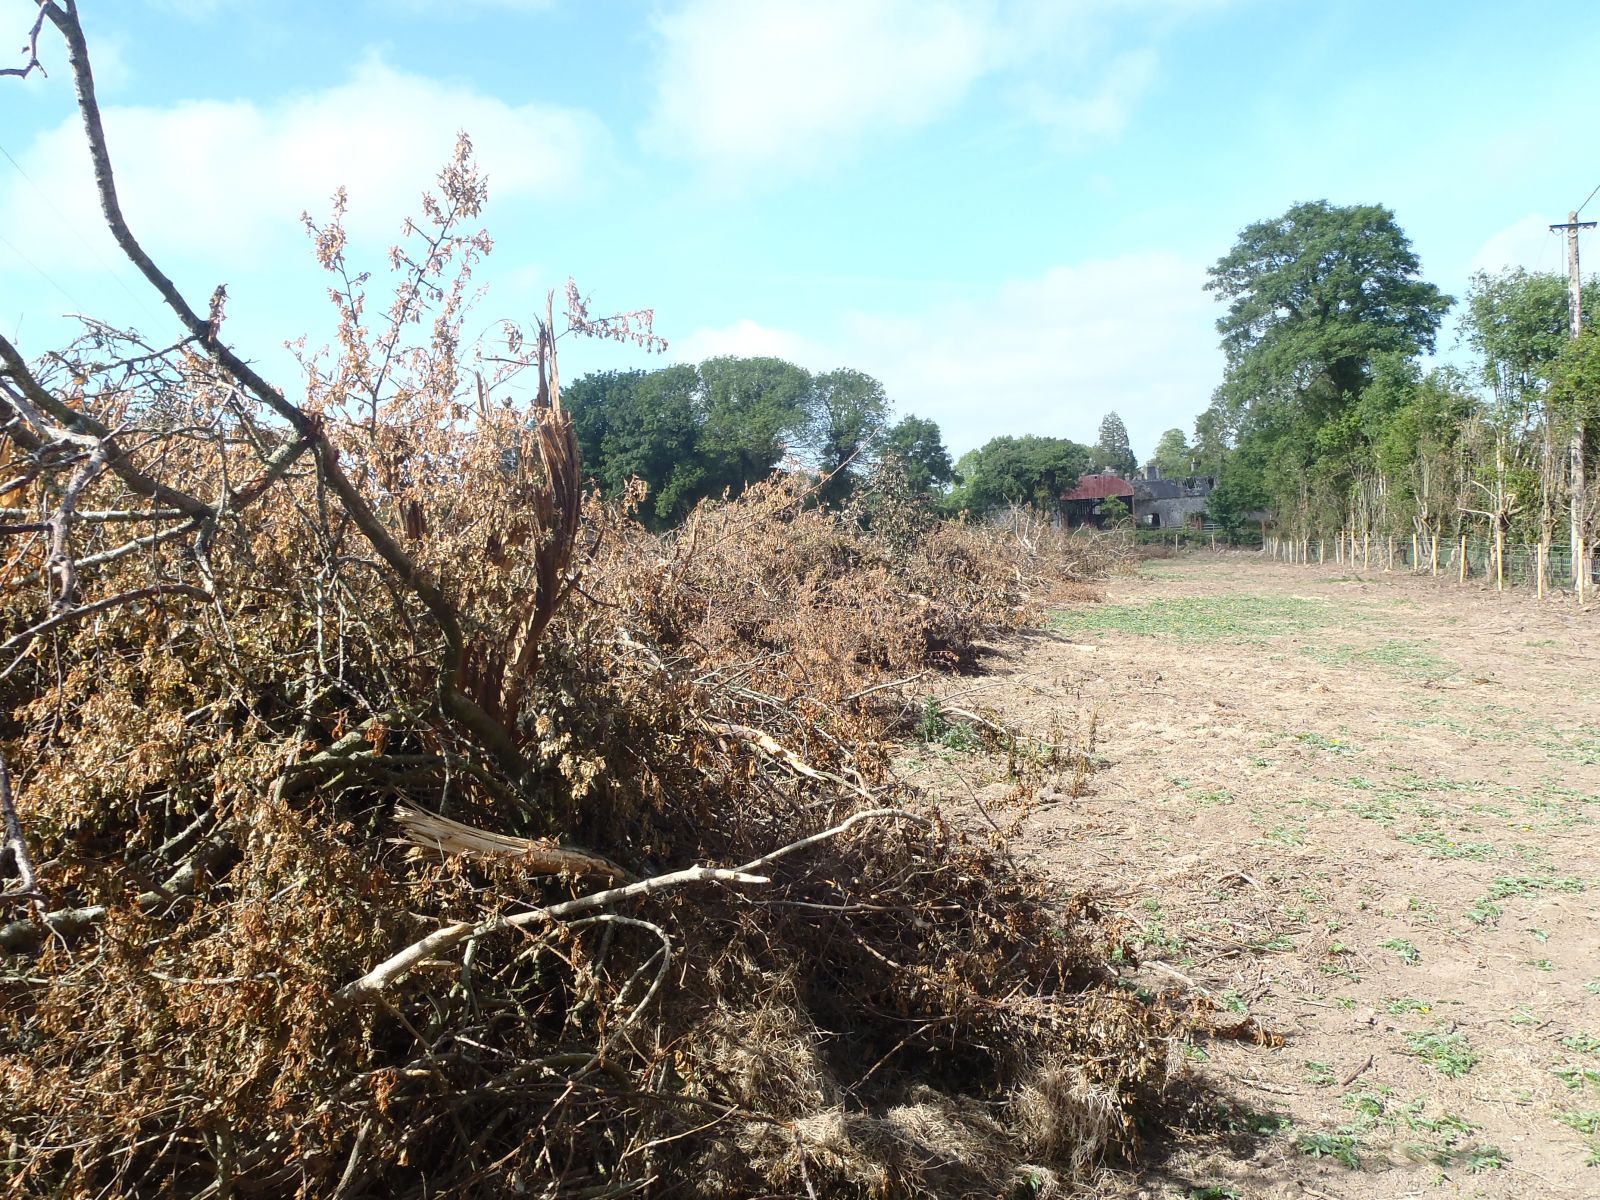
[(1170, 503)]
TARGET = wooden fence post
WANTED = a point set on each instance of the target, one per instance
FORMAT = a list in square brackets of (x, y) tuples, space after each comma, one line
[(1462, 559)]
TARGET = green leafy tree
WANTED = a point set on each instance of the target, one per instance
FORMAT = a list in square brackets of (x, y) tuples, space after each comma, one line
[(1315, 297), (633, 424), (918, 446), (752, 411), (1517, 321), (1314, 294), (1111, 449), (846, 409), (1019, 470), (1173, 457)]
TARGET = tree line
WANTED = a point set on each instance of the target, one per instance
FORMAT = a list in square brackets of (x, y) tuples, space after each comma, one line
[(1330, 417), (693, 431), (688, 432)]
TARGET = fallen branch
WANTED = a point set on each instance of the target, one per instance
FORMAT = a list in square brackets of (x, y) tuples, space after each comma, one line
[(774, 749), (442, 941), (539, 856), (15, 842)]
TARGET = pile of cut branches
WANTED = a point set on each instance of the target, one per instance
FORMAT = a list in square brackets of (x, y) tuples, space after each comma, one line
[(384, 819)]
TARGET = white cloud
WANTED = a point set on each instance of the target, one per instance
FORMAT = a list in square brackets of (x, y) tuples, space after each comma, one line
[(1527, 243), (460, 7), (226, 181), (786, 87), (1103, 111), (749, 339), (1047, 355), (764, 88)]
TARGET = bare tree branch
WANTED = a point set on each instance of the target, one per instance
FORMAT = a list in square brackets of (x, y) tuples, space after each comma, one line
[(441, 941), (491, 734), (15, 842), (99, 606), (32, 63)]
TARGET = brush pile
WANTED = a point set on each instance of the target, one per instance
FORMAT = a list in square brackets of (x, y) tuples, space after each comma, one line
[(385, 819)]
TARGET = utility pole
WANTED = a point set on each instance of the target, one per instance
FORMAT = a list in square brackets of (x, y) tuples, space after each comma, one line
[(1580, 552)]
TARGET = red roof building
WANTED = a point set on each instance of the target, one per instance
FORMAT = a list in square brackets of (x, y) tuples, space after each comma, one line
[(1083, 504), (1101, 487)]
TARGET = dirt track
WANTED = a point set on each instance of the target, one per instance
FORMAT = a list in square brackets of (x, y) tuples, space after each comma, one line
[(1361, 811)]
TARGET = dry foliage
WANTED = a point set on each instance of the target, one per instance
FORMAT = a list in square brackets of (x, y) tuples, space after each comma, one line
[(303, 701)]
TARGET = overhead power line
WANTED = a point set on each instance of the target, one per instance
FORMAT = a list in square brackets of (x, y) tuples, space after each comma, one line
[(1585, 204)]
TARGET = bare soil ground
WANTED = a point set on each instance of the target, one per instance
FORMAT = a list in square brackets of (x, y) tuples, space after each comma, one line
[(1359, 810)]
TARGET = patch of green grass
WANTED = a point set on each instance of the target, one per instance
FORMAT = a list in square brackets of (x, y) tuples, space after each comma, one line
[(1282, 836), (1332, 745), (1583, 1043), (1340, 1145), (936, 729), (1274, 944), (1446, 1051), (1401, 1005), (1405, 658), (1380, 808), (1405, 949), (1575, 1075), (1485, 910), (1477, 1159), (1587, 1121), (1204, 619), (1319, 1073), (1506, 886), (1155, 936), (1439, 846)]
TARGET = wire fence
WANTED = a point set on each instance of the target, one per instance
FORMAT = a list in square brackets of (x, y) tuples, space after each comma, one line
[(1526, 564)]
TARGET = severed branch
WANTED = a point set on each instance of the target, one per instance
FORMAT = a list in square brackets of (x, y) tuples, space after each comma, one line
[(440, 942), (491, 734), (775, 750), (538, 856), (15, 842), (27, 396)]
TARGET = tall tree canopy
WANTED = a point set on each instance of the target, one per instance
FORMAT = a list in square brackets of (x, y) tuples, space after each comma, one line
[(1517, 321), (753, 410), (1021, 470), (1172, 457), (690, 432), (1317, 298), (918, 446), (1111, 449), (1314, 294), (844, 411)]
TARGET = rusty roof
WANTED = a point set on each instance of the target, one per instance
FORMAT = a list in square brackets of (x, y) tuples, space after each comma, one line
[(1099, 487)]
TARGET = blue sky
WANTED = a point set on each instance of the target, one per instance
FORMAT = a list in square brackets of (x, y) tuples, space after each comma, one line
[(1002, 208)]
